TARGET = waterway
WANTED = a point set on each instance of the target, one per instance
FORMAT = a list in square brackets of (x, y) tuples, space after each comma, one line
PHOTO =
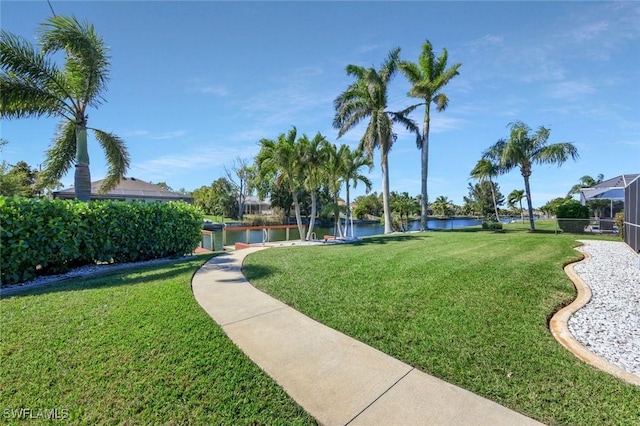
[(359, 230)]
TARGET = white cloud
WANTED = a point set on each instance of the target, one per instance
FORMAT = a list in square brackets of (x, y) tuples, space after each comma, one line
[(589, 31), (199, 160), (214, 90), (488, 40), (571, 89), (146, 134), (441, 124), (368, 48)]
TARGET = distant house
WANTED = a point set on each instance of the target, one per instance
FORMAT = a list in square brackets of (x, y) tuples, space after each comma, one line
[(129, 189), (253, 205)]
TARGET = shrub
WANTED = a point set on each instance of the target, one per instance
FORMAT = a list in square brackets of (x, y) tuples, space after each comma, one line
[(574, 211), (37, 236), (41, 236), (619, 218), (491, 224)]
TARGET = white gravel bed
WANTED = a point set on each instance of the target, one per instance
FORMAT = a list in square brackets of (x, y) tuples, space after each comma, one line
[(609, 325)]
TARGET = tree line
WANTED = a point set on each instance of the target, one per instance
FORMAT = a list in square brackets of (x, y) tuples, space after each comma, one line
[(33, 85)]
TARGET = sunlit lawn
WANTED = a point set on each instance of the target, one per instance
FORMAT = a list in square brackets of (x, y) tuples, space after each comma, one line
[(130, 348), (470, 307)]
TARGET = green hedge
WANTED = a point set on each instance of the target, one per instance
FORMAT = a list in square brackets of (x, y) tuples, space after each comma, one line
[(40, 236), (572, 216)]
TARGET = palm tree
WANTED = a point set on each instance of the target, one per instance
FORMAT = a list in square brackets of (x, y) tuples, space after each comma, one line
[(405, 205), (441, 205), (484, 171), (281, 156), (334, 176), (367, 98), (353, 161), (585, 182), (32, 85), (596, 206), (514, 197), (428, 77), (312, 156), (523, 149)]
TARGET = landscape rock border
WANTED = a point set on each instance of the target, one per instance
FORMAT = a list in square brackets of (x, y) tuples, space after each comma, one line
[(560, 329)]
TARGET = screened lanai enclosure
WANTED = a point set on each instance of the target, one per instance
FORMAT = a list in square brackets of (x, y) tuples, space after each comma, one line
[(632, 214), (612, 196)]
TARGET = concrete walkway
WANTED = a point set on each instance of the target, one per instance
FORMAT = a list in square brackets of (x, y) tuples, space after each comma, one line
[(336, 379)]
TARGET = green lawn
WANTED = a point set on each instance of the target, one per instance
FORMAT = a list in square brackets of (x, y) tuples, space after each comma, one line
[(131, 348), (469, 306)]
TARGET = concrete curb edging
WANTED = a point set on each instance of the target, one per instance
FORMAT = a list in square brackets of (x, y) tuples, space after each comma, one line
[(560, 328)]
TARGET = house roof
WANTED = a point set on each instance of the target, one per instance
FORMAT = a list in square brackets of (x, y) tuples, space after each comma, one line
[(612, 189), (127, 188), (254, 201)]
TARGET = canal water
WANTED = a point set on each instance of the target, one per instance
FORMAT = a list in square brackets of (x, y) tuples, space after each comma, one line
[(359, 230)]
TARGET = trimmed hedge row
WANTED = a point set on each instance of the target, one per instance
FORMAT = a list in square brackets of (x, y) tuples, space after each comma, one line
[(41, 236), (569, 214)]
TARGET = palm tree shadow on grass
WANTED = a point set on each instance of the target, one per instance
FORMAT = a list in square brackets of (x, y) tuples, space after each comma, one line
[(255, 272)]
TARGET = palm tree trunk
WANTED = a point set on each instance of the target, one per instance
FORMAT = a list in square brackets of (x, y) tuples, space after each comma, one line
[(495, 206), (82, 176), (312, 220), (348, 216), (521, 211), (527, 189), (424, 202), (388, 229), (241, 200), (296, 207)]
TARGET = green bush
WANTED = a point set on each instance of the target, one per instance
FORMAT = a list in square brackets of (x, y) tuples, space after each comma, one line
[(40, 236), (569, 214), (491, 224), (620, 223), (37, 236)]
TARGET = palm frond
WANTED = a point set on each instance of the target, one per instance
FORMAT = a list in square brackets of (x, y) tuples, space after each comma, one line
[(411, 71), (408, 110), (87, 56), (409, 124), (61, 156), (390, 65), (117, 158), (556, 153), (426, 60), (484, 170), (442, 101), (29, 82)]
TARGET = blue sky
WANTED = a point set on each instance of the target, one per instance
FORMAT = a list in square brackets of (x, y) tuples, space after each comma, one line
[(196, 84)]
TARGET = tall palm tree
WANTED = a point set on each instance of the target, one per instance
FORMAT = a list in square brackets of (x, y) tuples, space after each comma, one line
[(514, 197), (313, 154), (353, 161), (428, 77), (484, 171), (367, 98), (281, 156), (523, 149), (32, 85)]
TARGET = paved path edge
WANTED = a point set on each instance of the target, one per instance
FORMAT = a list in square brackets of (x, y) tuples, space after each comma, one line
[(413, 397)]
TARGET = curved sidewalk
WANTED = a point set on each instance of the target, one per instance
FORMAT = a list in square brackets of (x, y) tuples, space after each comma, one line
[(336, 379)]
